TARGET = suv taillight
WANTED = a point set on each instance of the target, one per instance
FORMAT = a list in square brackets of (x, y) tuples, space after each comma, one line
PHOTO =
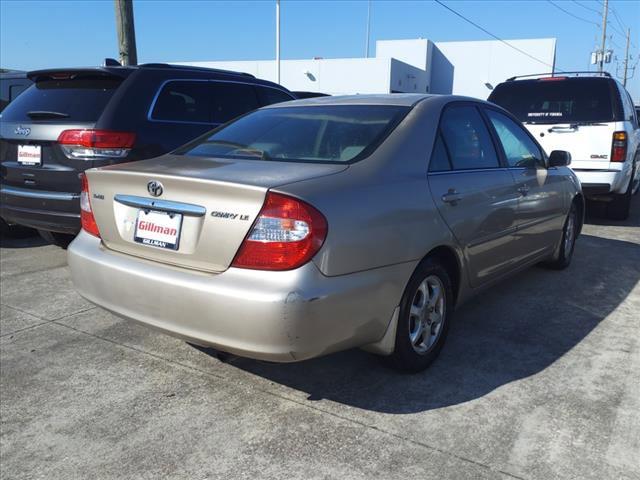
[(619, 147), (86, 214), (287, 234), (92, 144)]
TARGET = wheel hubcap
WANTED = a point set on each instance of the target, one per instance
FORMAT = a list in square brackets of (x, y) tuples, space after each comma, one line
[(569, 234), (427, 314)]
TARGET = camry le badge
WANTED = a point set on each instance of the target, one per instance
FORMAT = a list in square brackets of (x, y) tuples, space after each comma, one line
[(155, 188), (23, 131)]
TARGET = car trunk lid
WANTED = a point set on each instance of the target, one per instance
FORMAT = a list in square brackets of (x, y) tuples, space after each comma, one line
[(214, 203)]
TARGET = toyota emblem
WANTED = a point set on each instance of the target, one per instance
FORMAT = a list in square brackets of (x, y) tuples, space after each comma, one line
[(155, 188)]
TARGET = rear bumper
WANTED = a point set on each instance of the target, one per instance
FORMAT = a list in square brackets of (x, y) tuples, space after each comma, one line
[(604, 182), (277, 316), (44, 210)]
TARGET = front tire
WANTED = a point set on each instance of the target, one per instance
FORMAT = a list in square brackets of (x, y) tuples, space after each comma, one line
[(61, 240), (426, 310), (568, 242)]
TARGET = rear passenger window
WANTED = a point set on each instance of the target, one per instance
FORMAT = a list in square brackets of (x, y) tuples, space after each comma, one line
[(269, 96), (230, 100), (183, 101), (519, 149), (439, 157), (467, 139)]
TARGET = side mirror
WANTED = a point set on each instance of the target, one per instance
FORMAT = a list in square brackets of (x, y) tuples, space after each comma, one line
[(559, 158)]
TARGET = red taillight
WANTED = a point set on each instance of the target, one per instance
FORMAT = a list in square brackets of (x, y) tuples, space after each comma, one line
[(86, 214), (287, 234), (551, 79), (92, 144), (619, 147)]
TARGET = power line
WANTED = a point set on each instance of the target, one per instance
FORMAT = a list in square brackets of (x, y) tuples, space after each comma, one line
[(588, 8), (622, 26), (494, 36), (572, 15)]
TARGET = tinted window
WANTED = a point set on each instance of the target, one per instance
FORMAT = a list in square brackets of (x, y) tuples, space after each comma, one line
[(15, 90), (230, 100), (337, 133), (81, 99), (467, 139), (557, 101), (439, 157), (183, 101), (269, 96), (519, 149)]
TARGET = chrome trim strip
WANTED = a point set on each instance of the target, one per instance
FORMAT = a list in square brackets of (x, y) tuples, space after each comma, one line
[(155, 97), (469, 170), (23, 192), (187, 209)]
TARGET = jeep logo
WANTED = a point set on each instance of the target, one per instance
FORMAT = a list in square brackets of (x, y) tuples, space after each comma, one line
[(22, 131), (155, 188)]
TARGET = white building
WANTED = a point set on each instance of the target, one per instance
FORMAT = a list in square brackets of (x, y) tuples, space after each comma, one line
[(420, 65)]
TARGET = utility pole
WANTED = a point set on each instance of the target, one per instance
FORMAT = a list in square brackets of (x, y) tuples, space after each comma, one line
[(626, 58), (366, 51), (604, 34), (278, 41), (126, 32)]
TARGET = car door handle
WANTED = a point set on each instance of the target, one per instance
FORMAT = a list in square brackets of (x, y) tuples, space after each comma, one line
[(524, 190), (451, 197)]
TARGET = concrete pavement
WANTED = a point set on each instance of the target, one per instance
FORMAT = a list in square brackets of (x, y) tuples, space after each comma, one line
[(539, 380)]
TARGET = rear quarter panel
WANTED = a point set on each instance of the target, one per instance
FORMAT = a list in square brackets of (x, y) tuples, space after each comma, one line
[(380, 211)]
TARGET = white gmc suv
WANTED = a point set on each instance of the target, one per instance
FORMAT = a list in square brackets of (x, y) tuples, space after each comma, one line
[(592, 117)]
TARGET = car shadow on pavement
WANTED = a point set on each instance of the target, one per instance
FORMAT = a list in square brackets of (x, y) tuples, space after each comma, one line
[(27, 241), (511, 332)]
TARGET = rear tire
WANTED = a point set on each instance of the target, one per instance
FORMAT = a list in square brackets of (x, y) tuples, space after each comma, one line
[(61, 240), (426, 310), (567, 245), (618, 208), (14, 231)]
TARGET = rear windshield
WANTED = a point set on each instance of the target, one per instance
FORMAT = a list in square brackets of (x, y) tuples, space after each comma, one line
[(79, 100), (558, 101), (325, 134)]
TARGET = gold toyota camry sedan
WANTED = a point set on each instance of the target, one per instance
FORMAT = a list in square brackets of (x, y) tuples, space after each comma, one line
[(324, 224)]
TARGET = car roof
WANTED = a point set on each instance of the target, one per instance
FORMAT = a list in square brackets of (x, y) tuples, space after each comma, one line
[(125, 71), (398, 99)]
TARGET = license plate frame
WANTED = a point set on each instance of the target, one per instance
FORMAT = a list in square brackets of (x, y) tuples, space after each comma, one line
[(156, 232), (30, 155)]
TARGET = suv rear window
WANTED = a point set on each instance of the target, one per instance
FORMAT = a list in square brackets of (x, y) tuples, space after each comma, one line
[(565, 100), (79, 99), (325, 134)]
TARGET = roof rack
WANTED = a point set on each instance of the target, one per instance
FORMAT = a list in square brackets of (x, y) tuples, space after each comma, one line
[(191, 67), (562, 74)]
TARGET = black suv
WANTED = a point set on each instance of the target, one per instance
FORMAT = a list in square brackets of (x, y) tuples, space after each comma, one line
[(73, 119)]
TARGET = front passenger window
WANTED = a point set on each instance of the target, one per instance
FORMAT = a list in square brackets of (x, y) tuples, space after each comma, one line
[(518, 147)]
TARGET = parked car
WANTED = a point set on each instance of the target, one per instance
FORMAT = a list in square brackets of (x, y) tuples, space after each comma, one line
[(12, 84), (74, 119), (319, 225), (591, 116), (301, 95)]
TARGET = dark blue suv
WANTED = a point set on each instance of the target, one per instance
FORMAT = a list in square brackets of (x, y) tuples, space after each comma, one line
[(73, 119)]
